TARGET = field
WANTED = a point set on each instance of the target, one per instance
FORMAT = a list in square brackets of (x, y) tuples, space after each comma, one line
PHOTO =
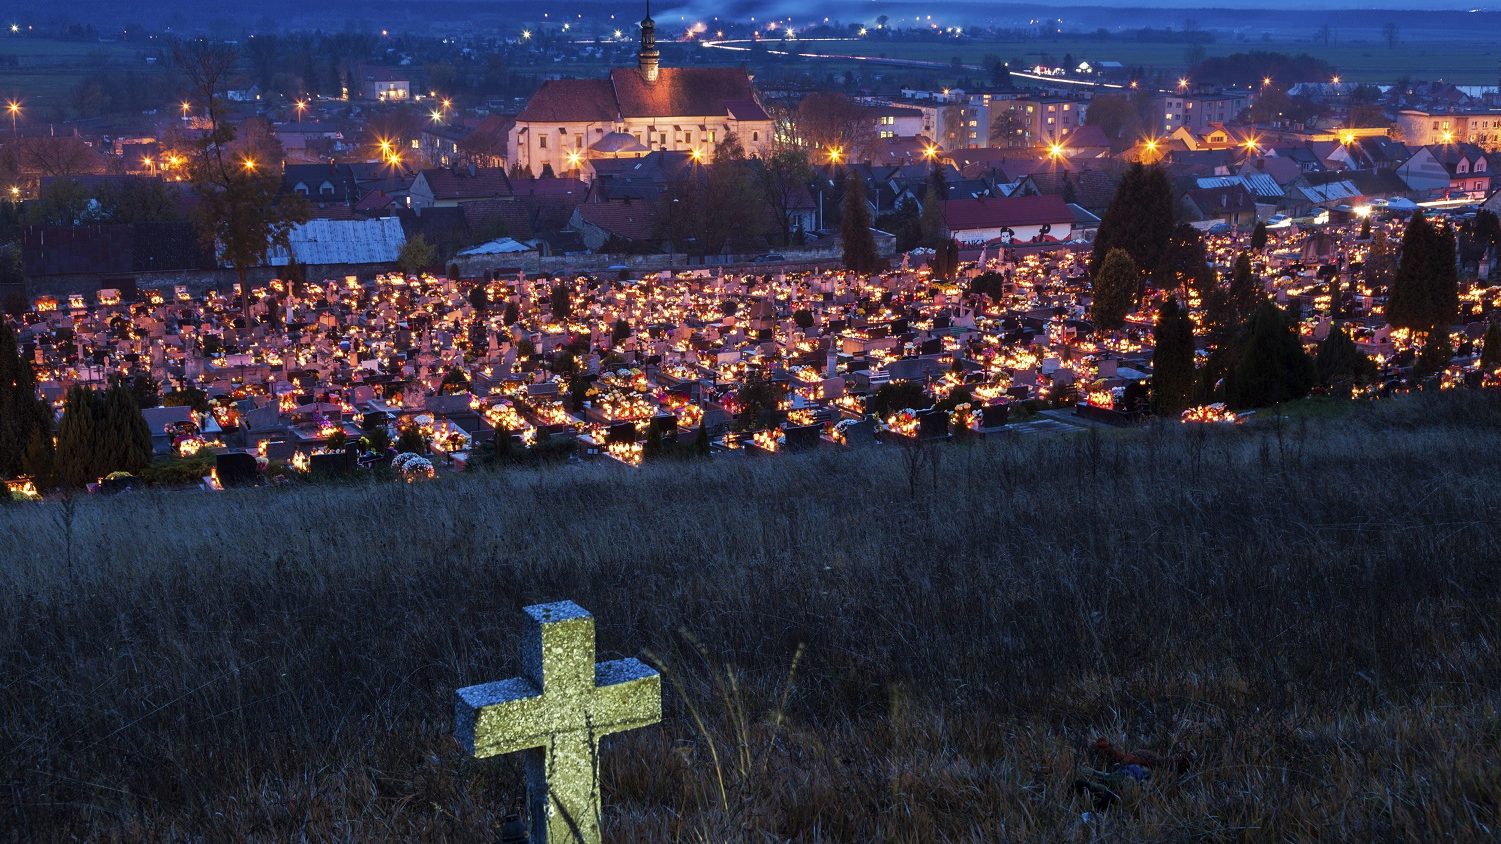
[(47, 69), (1464, 60), (1308, 610)]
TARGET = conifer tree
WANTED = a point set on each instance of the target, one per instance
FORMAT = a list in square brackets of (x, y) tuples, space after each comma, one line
[(22, 413), (1272, 367), (1114, 290), (1245, 291), (1490, 351), (1172, 359), (931, 219), (854, 229), (1258, 236), (1340, 362), (1425, 292), (79, 436), (1139, 218)]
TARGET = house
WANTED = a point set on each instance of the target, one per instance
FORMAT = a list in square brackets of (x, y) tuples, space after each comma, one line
[(321, 184), (687, 109), (1468, 169), (385, 84), (616, 223), (1424, 173), (1422, 127), (440, 187), (896, 121), (1025, 219), (1231, 205)]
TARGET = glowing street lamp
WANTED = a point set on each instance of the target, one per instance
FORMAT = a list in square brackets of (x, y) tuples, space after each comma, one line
[(249, 164), (14, 108), (930, 152), (1055, 151), (437, 116), (697, 155), (1182, 83), (1335, 80), (574, 157), (526, 35), (1266, 81), (301, 106), (835, 154), (15, 192), (1448, 136)]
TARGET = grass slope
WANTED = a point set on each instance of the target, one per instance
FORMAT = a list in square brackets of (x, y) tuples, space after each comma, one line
[(1310, 610)]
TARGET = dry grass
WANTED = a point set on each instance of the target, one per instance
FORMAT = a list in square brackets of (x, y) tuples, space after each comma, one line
[(1311, 610)]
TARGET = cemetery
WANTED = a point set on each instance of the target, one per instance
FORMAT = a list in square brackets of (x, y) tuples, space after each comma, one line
[(459, 371)]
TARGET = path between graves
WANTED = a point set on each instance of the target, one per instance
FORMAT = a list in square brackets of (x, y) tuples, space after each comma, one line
[(1052, 422)]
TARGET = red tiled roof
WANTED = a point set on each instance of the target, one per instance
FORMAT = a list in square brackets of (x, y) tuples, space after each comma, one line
[(685, 92), (989, 213), (571, 101), (678, 92), (628, 220), (461, 184)]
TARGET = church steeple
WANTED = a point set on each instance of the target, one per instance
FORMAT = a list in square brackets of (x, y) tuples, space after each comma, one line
[(649, 57)]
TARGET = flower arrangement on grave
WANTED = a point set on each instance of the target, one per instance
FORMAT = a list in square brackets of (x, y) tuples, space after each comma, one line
[(1216, 413), (23, 489), (902, 423), (1103, 398), (619, 406), (801, 416), (965, 416), (45, 304)]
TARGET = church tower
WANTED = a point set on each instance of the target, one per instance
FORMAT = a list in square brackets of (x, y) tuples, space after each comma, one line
[(650, 56)]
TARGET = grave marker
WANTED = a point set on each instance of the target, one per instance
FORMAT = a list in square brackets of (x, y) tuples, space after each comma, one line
[(556, 712)]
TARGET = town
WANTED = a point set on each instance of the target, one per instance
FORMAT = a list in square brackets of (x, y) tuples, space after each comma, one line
[(819, 423), (682, 261)]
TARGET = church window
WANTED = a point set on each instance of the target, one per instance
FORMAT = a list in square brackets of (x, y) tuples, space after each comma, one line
[(578, 141), (711, 136), (541, 142), (755, 136)]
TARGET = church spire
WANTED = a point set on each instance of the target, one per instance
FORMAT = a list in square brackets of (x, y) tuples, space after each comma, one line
[(649, 56)]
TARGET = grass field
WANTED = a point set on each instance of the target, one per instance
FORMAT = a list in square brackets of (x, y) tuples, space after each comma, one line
[(1308, 610), (47, 69), (1461, 61)]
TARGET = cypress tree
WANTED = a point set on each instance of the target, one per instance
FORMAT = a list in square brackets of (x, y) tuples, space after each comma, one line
[(1139, 218), (1172, 359), (1245, 292), (1414, 301), (22, 413), (1340, 362), (1258, 236), (701, 441), (931, 220), (1490, 350), (126, 432), (1435, 357), (1272, 367), (854, 229), (77, 459), (1114, 290)]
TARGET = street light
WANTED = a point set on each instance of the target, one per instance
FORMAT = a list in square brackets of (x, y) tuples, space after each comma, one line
[(697, 154), (437, 116), (301, 106), (930, 151), (249, 164), (14, 107), (835, 154)]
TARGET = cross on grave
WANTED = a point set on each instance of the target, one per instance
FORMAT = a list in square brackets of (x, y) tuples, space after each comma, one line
[(556, 712)]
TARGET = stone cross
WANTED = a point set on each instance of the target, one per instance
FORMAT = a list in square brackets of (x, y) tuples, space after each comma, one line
[(556, 712)]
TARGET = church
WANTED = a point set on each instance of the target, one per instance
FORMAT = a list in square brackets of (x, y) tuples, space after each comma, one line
[(570, 122)]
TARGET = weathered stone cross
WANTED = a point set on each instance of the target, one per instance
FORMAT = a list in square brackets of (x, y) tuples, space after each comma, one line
[(557, 712)]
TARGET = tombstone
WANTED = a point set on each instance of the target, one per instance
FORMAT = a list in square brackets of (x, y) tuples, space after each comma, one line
[(335, 464), (994, 415), (801, 437), (556, 712), (932, 424), (235, 468)]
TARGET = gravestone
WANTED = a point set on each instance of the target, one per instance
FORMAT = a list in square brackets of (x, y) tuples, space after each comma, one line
[(556, 712), (236, 468)]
